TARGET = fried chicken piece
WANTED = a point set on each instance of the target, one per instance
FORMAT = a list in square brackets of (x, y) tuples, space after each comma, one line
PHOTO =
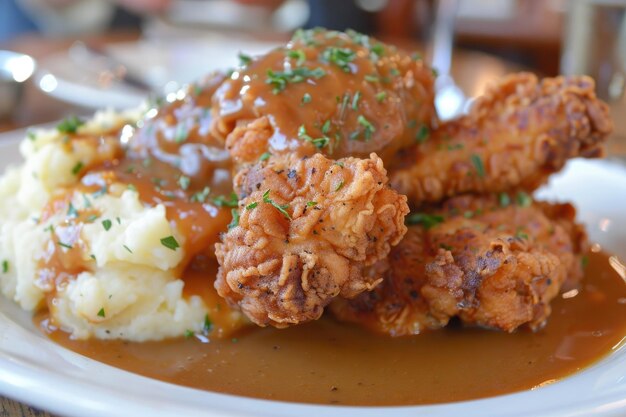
[(307, 227), (491, 266), (514, 136), (342, 94)]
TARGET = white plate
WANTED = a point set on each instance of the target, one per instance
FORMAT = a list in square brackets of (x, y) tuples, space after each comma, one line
[(37, 371), (76, 77)]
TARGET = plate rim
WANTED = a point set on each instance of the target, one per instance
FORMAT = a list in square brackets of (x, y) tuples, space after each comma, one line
[(26, 380)]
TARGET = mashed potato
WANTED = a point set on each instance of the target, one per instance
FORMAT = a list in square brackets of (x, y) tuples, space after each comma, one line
[(129, 289)]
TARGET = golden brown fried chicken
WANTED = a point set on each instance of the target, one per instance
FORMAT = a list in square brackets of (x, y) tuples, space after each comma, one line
[(343, 94), (514, 136), (495, 265), (306, 228)]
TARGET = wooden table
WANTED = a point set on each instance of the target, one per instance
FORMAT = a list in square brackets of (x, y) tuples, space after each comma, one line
[(471, 70)]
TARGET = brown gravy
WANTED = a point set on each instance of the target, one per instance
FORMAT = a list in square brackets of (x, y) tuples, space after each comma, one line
[(332, 363)]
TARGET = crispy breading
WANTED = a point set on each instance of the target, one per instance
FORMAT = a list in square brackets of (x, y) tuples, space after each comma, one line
[(307, 227), (518, 133), (489, 265)]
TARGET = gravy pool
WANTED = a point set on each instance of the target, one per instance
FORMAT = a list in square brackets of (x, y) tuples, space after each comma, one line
[(327, 362)]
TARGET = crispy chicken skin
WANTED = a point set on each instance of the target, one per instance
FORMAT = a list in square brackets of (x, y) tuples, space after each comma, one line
[(514, 136), (342, 94), (491, 266), (307, 227)]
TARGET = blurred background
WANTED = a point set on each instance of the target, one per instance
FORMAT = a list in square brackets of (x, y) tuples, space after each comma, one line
[(87, 54)]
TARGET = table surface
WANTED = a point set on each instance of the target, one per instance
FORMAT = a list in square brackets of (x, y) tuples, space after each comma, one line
[(472, 71)]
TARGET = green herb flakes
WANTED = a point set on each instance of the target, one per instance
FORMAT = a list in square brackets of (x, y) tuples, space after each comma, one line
[(170, 242), (478, 165), (107, 224), (427, 221), (77, 168), (70, 125)]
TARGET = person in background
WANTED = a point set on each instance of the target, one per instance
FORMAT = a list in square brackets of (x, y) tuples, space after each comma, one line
[(68, 17), (394, 18)]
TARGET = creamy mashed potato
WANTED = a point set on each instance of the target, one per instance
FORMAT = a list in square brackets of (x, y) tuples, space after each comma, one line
[(129, 289)]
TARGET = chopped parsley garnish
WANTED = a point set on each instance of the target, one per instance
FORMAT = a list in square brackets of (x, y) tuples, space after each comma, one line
[(523, 199), (326, 127), (184, 182), (298, 55), (223, 201), (355, 100), (201, 196), (311, 204), (127, 248), (70, 125), (521, 235), (31, 135), (342, 57), (189, 334), (339, 164), (235, 222), (101, 313), (378, 50), (411, 124), (71, 211), (435, 72), (369, 128), (422, 134), (107, 224), (306, 98), (282, 208), (339, 186), (170, 242), (208, 324), (318, 142), (344, 105), (5, 266), (584, 261), (244, 59), (425, 220), (92, 256), (372, 78), (504, 199), (380, 97), (252, 205), (76, 168), (65, 245), (279, 79), (265, 156), (468, 214), (478, 164)]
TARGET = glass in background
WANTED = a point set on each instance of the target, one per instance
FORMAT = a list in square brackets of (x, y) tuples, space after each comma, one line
[(595, 44)]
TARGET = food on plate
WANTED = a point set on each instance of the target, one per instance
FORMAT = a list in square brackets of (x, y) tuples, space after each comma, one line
[(343, 94), (307, 227), (515, 135), (493, 261), (262, 195), (106, 216)]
